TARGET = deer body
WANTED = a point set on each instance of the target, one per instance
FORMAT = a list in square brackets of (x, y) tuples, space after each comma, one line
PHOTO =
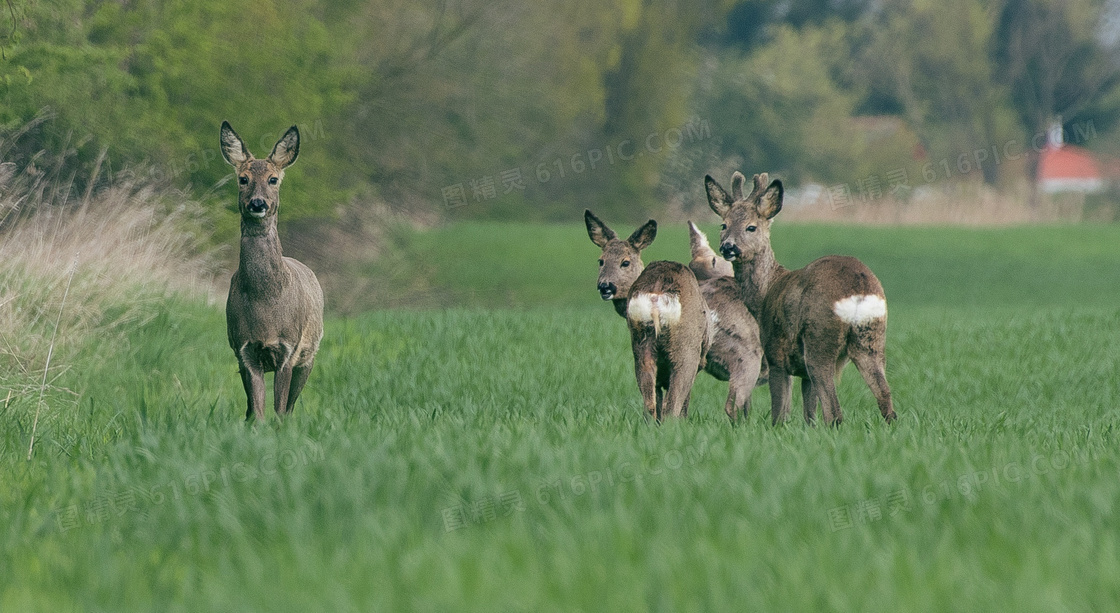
[(669, 334), (734, 352), (274, 312), (812, 320)]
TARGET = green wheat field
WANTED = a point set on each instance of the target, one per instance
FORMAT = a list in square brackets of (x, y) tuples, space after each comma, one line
[(489, 452)]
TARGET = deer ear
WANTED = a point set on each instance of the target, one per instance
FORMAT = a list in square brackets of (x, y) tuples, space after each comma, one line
[(717, 198), (697, 241), (770, 203), (233, 149), (598, 231), (643, 236), (737, 181), (286, 151)]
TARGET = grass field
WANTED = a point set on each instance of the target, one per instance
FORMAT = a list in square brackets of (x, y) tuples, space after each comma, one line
[(496, 459)]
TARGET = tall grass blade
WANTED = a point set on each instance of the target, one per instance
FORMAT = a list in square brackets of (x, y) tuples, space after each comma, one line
[(50, 353)]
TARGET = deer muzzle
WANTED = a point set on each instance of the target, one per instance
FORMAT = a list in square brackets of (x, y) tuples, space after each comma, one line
[(607, 290), (730, 251), (257, 207)]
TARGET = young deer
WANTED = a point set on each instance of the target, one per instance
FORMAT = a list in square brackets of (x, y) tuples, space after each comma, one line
[(706, 263), (812, 320), (274, 313), (734, 353)]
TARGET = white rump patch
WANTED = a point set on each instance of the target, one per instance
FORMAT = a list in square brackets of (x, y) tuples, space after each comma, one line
[(857, 310), (661, 309)]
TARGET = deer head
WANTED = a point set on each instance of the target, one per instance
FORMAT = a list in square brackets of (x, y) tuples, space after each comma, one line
[(258, 181), (621, 260), (746, 219), (706, 263)]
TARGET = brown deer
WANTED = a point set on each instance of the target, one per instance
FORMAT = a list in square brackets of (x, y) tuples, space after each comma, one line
[(734, 353), (274, 313), (812, 320), (670, 334)]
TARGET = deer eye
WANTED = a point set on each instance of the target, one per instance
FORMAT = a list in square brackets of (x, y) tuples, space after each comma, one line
[(751, 228), (713, 262), (243, 180), (625, 263), (600, 262), (272, 180), (722, 226)]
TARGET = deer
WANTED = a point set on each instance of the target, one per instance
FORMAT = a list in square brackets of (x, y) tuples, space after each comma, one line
[(670, 335), (812, 320), (706, 264), (734, 353), (274, 312)]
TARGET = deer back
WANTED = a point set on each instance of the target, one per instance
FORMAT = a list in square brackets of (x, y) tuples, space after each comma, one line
[(666, 305), (827, 298)]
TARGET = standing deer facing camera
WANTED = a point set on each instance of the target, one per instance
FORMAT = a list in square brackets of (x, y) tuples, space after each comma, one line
[(812, 320), (274, 314)]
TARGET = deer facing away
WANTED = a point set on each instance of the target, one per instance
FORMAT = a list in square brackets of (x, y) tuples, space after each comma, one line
[(812, 320), (734, 352), (670, 334), (274, 313)]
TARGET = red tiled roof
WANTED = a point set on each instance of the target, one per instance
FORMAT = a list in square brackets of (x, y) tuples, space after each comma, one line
[(1067, 162)]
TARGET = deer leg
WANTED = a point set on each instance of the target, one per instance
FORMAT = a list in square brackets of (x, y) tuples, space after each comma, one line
[(738, 400), (781, 394), (252, 378), (755, 374), (299, 378), (872, 367), (741, 384), (763, 372), (680, 388), (729, 406), (809, 400), (282, 380), (645, 369), (281, 383), (824, 386)]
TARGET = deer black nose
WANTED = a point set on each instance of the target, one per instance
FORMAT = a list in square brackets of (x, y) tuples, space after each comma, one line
[(257, 205), (607, 290), (730, 251)]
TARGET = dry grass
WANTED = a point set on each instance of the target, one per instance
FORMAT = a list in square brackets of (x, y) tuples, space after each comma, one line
[(128, 244), (952, 205)]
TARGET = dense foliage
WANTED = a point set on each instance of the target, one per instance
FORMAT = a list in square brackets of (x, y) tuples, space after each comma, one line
[(500, 109)]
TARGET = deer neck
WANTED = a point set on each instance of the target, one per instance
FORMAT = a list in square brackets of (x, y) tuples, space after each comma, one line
[(756, 276), (620, 306), (261, 262)]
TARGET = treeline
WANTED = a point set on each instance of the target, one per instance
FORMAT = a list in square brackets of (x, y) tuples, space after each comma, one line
[(503, 109)]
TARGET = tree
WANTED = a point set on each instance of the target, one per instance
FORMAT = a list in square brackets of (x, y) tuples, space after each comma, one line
[(1055, 62), (778, 109), (933, 59)]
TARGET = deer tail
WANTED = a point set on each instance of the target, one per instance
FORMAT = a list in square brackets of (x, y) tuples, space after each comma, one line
[(661, 310)]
